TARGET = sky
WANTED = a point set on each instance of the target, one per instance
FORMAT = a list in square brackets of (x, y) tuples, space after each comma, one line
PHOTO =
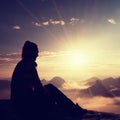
[(77, 39)]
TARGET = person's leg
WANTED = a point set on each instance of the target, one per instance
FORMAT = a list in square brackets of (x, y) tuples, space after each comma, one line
[(63, 102), (58, 96)]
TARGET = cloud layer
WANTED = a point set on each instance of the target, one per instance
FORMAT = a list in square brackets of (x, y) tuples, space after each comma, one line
[(97, 103), (100, 104), (9, 58)]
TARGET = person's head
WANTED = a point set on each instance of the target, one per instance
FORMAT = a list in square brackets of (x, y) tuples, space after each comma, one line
[(29, 51)]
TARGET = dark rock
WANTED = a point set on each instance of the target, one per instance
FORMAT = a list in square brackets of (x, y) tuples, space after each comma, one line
[(7, 112)]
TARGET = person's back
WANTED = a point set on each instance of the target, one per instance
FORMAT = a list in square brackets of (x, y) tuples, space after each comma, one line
[(25, 83)]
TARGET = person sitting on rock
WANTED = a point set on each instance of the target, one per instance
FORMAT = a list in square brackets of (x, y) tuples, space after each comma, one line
[(29, 96)]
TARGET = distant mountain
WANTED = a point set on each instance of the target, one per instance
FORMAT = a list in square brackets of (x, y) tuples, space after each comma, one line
[(109, 87), (91, 81), (113, 85), (110, 83), (98, 89), (56, 81)]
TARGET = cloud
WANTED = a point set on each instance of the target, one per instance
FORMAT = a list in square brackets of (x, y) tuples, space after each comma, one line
[(49, 22), (57, 22), (15, 57), (60, 22), (96, 103), (73, 21), (9, 58), (46, 23), (36, 24), (112, 21), (16, 27), (114, 88), (47, 53), (100, 104), (53, 54)]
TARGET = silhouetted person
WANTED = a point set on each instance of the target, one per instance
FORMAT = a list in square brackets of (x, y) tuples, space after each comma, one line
[(25, 84), (30, 97), (25, 80)]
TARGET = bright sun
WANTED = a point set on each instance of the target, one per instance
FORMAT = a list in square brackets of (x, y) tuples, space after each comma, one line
[(76, 59)]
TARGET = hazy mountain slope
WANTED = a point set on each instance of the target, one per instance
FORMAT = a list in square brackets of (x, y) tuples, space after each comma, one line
[(98, 89)]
